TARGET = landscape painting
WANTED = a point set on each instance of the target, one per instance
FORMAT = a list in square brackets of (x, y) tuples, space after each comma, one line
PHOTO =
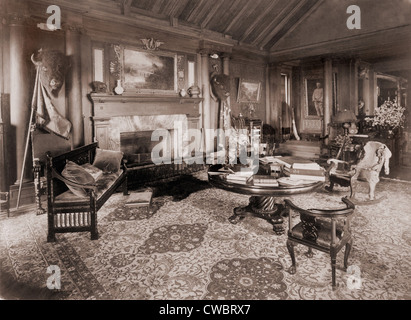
[(248, 91), (146, 72)]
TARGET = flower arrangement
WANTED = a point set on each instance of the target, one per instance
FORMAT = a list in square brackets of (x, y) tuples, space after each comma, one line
[(389, 115)]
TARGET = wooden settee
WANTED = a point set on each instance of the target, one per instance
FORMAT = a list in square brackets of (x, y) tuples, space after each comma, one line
[(68, 212)]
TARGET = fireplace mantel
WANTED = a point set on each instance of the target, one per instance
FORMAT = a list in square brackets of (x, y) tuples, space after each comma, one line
[(107, 105)]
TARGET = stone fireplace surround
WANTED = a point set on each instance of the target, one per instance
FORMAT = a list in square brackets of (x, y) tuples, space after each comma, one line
[(117, 114)]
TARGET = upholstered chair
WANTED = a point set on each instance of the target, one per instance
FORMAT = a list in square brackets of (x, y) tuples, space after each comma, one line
[(374, 156)]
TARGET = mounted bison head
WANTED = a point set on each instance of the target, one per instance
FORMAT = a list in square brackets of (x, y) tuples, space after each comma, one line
[(52, 66), (220, 84)]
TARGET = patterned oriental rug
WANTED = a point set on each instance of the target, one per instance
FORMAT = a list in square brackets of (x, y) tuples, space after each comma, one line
[(187, 249)]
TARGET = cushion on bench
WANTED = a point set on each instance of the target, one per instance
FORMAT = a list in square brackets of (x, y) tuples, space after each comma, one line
[(76, 173), (103, 183), (108, 160)]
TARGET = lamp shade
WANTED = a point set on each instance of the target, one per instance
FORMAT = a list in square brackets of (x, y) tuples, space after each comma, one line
[(345, 116)]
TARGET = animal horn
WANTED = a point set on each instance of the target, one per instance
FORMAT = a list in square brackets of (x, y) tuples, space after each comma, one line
[(34, 61)]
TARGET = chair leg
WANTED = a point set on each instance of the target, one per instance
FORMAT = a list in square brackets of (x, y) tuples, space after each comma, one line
[(290, 247), (348, 247), (125, 187), (333, 265), (309, 253), (51, 237)]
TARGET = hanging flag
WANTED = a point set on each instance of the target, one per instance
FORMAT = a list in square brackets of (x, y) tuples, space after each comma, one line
[(47, 115)]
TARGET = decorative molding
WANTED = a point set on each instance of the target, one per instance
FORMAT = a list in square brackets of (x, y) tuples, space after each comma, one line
[(73, 27), (18, 19), (151, 44), (116, 65)]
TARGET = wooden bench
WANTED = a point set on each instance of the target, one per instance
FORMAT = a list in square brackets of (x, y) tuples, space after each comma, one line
[(68, 212)]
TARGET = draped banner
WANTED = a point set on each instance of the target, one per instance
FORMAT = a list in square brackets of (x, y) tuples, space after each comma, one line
[(47, 115)]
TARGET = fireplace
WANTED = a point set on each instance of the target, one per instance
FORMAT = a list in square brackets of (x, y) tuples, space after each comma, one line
[(137, 146), (126, 123)]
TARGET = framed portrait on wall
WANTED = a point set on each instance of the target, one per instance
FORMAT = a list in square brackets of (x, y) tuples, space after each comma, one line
[(149, 72), (249, 91), (314, 97)]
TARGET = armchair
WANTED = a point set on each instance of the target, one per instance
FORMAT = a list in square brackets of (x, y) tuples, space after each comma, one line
[(326, 230), (373, 157)]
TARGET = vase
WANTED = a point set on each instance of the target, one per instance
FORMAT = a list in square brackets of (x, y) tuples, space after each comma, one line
[(119, 89), (183, 93), (194, 91)]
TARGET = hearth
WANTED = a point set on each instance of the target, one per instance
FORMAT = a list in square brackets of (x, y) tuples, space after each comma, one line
[(138, 145)]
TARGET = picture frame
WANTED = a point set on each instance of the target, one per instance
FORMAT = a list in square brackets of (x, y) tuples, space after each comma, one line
[(310, 86), (249, 91), (149, 72)]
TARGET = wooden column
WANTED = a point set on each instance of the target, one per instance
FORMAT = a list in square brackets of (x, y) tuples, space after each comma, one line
[(328, 75), (86, 79), (205, 77), (275, 99), (19, 99), (354, 85), (73, 85), (226, 70)]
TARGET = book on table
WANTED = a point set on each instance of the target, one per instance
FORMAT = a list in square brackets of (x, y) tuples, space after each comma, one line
[(139, 198), (310, 172), (288, 182), (296, 163), (236, 178), (306, 177), (264, 180)]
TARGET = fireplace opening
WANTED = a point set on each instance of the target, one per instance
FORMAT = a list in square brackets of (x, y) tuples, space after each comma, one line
[(137, 146)]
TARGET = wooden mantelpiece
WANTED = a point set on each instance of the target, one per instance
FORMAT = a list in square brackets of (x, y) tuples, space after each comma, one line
[(107, 106)]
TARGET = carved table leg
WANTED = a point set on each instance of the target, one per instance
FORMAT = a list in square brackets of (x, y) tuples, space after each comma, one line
[(37, 169), (262, 207)]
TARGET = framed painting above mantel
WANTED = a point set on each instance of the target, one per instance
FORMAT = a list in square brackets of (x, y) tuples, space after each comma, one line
[(149, 72)]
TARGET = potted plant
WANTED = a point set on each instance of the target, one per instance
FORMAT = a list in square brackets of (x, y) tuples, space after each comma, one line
[(388, 119)]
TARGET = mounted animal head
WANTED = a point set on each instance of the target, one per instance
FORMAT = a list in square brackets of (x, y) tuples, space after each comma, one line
[(220, 85), (52, 66)]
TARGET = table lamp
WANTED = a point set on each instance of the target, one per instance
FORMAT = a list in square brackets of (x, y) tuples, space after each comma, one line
[(346, 117)]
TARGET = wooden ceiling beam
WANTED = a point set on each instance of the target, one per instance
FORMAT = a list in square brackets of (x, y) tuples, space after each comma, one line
[(157, 6), (365, 46), (290, 14), (178, 8), (261, 19), (237, 17), (211, 14), (300, 20), (274, 22), (195, 11)]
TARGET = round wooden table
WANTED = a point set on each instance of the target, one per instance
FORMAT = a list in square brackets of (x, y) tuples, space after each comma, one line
[(262, 201)]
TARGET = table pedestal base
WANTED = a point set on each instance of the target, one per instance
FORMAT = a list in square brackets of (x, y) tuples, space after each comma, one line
[(262, 207)]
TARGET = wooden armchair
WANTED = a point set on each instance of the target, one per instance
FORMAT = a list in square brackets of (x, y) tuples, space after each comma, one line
[(374, 156), (326, 230)]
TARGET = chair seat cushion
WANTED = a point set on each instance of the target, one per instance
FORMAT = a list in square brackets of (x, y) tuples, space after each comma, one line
[(103, 183), (323, 232)]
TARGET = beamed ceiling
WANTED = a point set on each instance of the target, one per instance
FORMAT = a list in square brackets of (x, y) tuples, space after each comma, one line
[(259, 23)]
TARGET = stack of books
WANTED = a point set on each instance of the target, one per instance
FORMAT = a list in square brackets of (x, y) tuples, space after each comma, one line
[(302, 169), (241, 177), (265, 181)]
